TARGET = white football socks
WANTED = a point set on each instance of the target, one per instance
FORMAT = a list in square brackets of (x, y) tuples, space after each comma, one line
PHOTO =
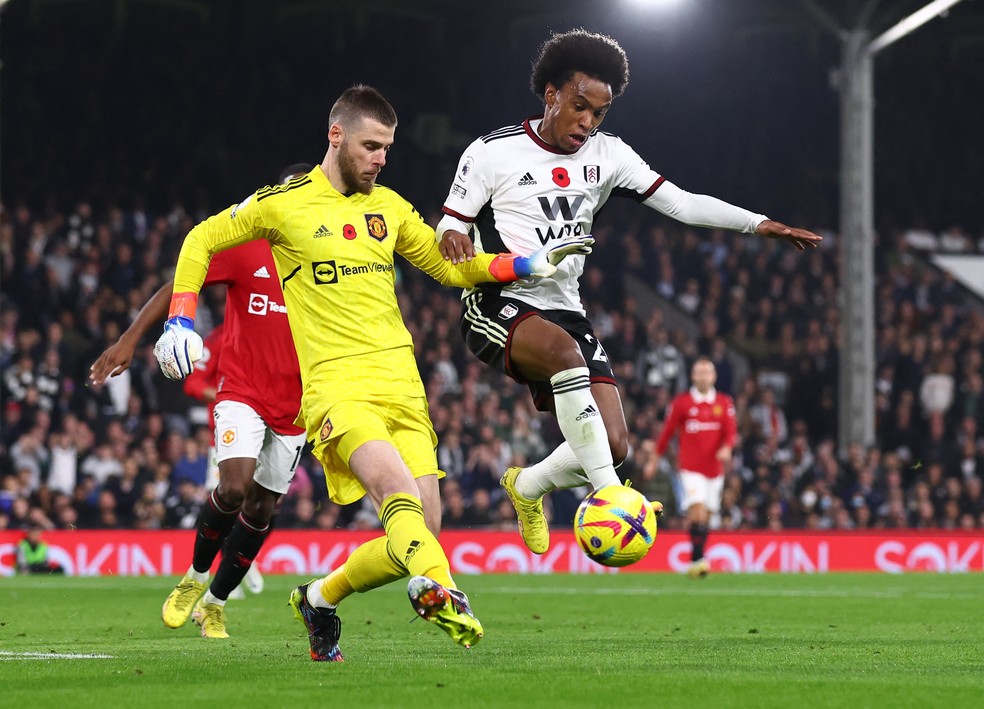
[(584, 430), (558, 471), (210, 599)]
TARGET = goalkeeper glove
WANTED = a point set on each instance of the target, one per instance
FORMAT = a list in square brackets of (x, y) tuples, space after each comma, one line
[(180, 346), (543, 262)]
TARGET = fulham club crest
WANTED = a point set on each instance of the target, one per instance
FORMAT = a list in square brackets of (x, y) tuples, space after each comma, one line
[(592, 173), (508, 312)]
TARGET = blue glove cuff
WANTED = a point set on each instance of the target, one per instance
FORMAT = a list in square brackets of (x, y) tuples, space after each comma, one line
[(523, 266), (179, 321)]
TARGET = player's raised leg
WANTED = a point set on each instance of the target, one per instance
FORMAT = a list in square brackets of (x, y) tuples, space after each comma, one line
[(410, 543), (370, 566), (541, 350)]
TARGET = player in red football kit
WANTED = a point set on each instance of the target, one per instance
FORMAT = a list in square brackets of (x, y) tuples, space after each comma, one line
[(203, 384), (257, 398), (705, 420)]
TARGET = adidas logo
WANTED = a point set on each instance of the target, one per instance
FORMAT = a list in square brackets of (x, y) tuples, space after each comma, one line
[(322, 231), (412, 549), (261, 272), (587, 413), (526, 180)]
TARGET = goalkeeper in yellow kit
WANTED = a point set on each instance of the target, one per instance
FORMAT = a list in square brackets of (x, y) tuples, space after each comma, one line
[(334, 234)]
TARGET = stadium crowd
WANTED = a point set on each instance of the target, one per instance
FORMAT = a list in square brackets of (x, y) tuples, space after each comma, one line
[(133, 453)]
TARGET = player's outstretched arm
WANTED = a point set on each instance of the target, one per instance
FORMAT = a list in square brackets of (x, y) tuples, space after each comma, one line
[(117, 357), (180, 346), (800, 238), (542, 263), (417, 243)]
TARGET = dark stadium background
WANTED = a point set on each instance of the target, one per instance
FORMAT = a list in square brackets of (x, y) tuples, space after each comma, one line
[(201, 102), (160, 112)]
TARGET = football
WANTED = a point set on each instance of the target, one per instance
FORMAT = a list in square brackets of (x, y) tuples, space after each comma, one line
[(615, 525)]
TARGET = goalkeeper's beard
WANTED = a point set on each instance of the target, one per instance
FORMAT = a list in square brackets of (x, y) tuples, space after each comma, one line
[(349, 172)]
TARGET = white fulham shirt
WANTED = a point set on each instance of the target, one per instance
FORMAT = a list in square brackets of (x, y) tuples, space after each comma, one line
[(517, 193)]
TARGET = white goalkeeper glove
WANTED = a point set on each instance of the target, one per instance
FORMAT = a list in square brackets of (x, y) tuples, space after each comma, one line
[(543, 262), (178, 348)]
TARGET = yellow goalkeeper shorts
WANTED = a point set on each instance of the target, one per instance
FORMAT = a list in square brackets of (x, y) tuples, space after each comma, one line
[(403, 422)]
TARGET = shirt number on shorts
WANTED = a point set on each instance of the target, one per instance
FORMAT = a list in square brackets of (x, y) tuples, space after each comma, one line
[(599, 355)]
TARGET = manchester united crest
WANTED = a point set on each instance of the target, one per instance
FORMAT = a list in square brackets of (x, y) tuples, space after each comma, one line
[(326, 430), (376, 225)]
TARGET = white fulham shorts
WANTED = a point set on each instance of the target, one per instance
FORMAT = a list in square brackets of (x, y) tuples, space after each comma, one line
[(700, 489), (241, 433)]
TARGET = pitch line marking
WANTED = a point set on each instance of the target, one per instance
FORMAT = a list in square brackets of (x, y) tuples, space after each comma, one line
[(853, 593), (7, 655)]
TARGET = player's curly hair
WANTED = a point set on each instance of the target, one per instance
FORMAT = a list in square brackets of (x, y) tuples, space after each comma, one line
[(361, 101), (597, 55)]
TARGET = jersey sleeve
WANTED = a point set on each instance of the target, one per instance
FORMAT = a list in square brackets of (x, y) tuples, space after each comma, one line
[(473, 183), (417, 244), (236, 225), (633, 177), (702, 210)]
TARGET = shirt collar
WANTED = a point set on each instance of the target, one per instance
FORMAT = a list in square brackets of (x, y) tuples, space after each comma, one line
[(702, 398)]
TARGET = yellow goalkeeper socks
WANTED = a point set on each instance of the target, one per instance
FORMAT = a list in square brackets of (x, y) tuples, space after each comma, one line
[(369, 566), (335, 587), (409, 540)]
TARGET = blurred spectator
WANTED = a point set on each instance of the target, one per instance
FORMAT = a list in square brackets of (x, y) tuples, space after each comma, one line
[(769, 420), (660, 363), (303, 512), (937, 389), (181, 508), (193, 463), (30, 458), (954, 240), (921, 239), (72, 279), (100, 464), (63, 473)]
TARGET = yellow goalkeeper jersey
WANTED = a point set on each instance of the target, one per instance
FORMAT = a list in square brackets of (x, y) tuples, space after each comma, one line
[(335, 261)]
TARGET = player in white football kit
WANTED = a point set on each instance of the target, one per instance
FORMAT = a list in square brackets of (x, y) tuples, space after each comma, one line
[(522, 186)]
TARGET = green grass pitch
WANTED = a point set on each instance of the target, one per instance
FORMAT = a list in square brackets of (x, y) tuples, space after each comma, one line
[(849, 640)]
